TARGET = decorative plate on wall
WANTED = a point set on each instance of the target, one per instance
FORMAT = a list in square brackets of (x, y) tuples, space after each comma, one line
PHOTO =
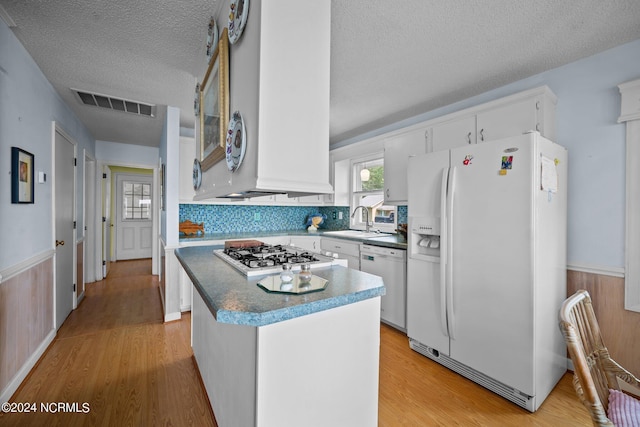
[(212, 38), (238, 13), (236, 141), (197, 174), (196, 100)]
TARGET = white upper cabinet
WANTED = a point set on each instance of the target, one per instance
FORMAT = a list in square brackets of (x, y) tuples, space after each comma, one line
[(509, 116), (454, 133), (532, 110), (397, 150), (279, 82), (508, 120)]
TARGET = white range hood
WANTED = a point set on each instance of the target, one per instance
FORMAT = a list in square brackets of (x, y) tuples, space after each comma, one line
[(279, 81)]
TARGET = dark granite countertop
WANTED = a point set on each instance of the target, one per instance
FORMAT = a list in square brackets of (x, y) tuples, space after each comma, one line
[(234, 298)]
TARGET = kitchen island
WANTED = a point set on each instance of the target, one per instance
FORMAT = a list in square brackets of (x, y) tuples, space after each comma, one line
[(270, 359)]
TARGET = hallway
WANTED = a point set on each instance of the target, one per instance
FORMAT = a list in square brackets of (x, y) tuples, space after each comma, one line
[(115, 355)]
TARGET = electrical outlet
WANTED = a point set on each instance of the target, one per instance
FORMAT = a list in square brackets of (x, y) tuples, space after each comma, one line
[(334, 214), (256, 216)]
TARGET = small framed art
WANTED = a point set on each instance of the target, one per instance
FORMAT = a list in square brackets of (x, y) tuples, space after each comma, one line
[(21, 176)]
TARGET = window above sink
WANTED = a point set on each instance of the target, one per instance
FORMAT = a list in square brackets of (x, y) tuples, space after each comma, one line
[(367, 190)]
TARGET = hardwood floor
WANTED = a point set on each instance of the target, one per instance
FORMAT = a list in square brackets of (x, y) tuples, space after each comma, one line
[(415, 391), (115, 354)]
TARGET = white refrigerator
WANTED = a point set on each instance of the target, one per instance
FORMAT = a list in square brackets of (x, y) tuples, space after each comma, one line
[(486, 268)]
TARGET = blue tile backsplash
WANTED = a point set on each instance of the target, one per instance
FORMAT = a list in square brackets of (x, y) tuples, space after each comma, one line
[(247, 218)]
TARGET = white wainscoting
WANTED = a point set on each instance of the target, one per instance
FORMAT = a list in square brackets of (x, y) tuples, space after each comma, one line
[(26, 318)]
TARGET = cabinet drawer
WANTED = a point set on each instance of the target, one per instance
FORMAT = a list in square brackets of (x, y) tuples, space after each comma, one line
[(340, 246)]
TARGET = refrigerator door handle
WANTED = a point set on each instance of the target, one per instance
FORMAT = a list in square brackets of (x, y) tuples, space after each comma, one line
[(449, 231), (443, 251)]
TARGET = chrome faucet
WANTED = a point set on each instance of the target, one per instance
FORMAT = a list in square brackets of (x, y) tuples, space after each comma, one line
[(364, 208)]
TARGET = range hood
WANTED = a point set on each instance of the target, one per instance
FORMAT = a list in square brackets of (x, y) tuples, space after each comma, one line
[(279, 82)]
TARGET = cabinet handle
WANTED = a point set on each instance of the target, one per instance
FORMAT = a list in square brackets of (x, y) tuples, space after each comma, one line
[(388, 193), (427, 143), (59, 243), (538, 127), (481, 134), (469, 138)]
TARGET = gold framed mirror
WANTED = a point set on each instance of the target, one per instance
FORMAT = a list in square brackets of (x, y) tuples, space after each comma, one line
[(214, 105)]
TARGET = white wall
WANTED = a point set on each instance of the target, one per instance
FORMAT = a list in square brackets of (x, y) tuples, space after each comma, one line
[(28, 105), (587, 111), (116, 153)]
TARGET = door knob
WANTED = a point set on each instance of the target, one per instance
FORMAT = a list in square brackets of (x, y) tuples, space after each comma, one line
[(59, 243)]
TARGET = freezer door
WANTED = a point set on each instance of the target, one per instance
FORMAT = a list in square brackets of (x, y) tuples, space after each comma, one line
[(424, 182), (491, 320), (424, 310)]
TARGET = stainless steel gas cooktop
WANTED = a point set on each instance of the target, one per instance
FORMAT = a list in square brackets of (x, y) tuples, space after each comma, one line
[(268, 259)]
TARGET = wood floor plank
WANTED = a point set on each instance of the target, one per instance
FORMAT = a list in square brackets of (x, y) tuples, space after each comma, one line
[(115, 353)]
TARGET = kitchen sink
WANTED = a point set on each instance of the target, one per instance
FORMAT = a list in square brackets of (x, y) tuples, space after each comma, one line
[(358, 234)]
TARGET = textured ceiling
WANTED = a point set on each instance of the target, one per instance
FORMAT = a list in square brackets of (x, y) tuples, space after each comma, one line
[(390, 59)]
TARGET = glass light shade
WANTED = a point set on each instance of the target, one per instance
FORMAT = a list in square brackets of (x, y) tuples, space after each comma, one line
[(364, 175)]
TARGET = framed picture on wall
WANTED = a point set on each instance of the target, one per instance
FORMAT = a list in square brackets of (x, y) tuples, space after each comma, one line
[(214, 106), (21, 176)]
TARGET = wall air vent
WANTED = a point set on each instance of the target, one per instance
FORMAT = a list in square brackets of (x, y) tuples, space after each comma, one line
[(111, 103)]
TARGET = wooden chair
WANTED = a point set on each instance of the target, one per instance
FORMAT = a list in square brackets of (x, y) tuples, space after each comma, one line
[(595, 372)]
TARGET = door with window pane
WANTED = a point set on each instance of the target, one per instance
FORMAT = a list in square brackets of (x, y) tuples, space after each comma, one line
[(133, 216)]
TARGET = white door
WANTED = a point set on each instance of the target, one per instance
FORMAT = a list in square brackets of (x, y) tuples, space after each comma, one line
[(89, 258), (133, 216), (106, 221), (64, 177)]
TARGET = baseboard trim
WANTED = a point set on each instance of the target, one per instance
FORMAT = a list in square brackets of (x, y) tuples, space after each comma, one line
[(170, 317), (597, 269), (27, 367)]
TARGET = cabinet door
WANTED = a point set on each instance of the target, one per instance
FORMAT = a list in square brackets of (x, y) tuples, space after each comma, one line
[(454, 133), (508, 120), (309, 243), (397, 150), (341, 246), (315, 200)]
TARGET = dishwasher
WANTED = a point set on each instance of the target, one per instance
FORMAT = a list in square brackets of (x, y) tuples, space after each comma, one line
[(391, 265)]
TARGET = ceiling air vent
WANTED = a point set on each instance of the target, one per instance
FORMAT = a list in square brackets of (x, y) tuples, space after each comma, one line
[(111, 103)]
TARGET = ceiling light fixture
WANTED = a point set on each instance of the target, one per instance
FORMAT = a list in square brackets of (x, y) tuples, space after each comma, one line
[(365, 174)]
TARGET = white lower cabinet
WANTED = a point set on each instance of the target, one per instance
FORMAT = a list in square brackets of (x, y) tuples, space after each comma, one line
[(345, 250), (310, 243), (274, 240), (185, 290)]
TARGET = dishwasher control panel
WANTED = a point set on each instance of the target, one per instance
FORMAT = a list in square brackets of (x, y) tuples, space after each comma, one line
[(371, 250)]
